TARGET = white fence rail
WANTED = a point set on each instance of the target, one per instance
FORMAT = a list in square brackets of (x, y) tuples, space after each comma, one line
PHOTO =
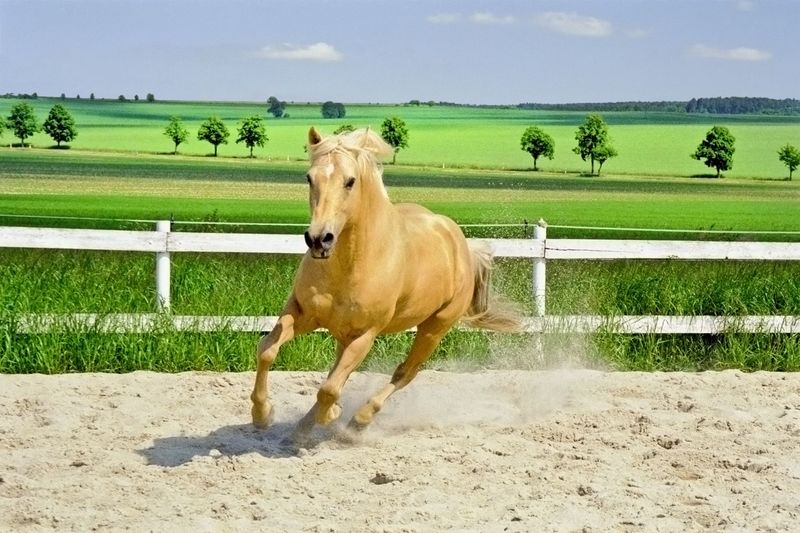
[(163, 242)]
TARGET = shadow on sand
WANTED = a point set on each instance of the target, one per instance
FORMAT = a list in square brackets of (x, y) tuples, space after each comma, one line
[(276, 441)]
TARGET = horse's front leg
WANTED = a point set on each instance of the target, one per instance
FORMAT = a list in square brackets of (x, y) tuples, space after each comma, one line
[(290, 324), (352, 353)]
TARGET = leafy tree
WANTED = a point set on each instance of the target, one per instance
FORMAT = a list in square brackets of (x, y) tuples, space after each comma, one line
[(333, 110), (176, 132), (252, 133), (122, 98), (91, 96), (591, 135), (151, 97), (275, 107), (344, 128), (22, 121), (395, 132), (213, 131), (60, 125), (603, 153), (537, 143), (790, 156), (717, 149)]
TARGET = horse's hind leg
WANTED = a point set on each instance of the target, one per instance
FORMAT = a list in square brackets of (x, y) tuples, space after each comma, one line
[(290, 324), (429, 335), (350, 355)]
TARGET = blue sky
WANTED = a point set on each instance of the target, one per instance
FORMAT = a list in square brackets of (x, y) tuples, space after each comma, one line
[(480, 52)]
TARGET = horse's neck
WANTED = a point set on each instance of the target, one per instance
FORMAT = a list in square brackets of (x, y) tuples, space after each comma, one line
[(364, 239)]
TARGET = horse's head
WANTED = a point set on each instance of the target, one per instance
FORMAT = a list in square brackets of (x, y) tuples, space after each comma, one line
[(343, 179)]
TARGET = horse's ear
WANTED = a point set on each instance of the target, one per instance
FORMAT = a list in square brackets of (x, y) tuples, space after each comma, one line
[(313, 136)]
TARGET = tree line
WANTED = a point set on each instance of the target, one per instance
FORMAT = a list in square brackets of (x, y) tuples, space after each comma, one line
[(594, 144), (730, 105)]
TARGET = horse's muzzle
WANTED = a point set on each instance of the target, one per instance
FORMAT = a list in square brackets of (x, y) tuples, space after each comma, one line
[(320, 245)]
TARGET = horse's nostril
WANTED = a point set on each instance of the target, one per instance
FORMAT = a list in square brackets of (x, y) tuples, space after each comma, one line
[(307, 237), (328, 238)]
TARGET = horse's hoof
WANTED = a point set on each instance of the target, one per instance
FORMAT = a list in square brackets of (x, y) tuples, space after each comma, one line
[(325, 418), (262, 416), (357, 427)]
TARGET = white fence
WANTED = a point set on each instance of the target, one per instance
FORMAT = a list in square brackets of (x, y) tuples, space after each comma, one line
[(163, 242)]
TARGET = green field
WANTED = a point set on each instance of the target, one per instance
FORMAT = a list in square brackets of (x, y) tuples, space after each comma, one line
[(648, 143), (73, 183)]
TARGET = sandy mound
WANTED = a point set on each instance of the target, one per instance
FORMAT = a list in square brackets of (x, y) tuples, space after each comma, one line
[(490, 451)]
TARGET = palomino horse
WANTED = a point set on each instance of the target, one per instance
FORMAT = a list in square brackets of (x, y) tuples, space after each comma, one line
[(373, 267)]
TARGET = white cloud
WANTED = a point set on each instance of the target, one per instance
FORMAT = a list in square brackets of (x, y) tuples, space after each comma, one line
[(323, 52), (732, 54), (490, 18), (574, 24), (745, 5), (637, 33), (444, 18)]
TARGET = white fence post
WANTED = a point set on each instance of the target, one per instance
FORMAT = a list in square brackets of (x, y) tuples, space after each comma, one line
[(539, 276), (163, 268)]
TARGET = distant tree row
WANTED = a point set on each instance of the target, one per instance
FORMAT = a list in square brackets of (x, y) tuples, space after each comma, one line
[(719, 105), (735, 105), (594, 143), (59, 124), (715, 150), (251, 132), (665, 106), (33, 96)]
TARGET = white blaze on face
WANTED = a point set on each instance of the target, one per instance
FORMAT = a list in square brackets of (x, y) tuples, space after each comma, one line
[(329, 168)]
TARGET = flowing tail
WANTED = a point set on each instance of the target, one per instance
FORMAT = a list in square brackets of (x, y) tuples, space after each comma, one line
[(488, 310)]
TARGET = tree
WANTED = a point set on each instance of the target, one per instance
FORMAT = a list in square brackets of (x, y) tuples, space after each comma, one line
[(790, 156), (333, 110), (252, 133), (717, 149), (537, 143), (213, 131), (275, 107), (151, 97), (591, 135), (344, 128), (395, 132), (22, 121), (176, 132), (60, 125), (603, 153)]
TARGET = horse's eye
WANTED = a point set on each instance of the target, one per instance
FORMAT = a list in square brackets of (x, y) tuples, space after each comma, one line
[(350, 183)]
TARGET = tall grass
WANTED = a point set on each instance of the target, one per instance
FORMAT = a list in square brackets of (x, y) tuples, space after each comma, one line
[(109, 282)]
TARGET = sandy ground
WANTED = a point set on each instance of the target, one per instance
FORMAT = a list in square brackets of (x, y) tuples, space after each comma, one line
[(565, 450)]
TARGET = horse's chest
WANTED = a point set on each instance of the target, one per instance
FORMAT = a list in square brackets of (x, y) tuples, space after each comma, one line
[(336, 311)]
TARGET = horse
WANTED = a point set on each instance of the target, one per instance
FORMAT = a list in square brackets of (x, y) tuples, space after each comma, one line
[(374, 267)]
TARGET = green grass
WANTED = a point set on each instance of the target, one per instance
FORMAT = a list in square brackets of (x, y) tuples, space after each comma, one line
[(648, 143), (64, 282)]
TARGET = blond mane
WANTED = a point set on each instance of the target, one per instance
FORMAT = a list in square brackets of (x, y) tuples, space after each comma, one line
[(363, 146)]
